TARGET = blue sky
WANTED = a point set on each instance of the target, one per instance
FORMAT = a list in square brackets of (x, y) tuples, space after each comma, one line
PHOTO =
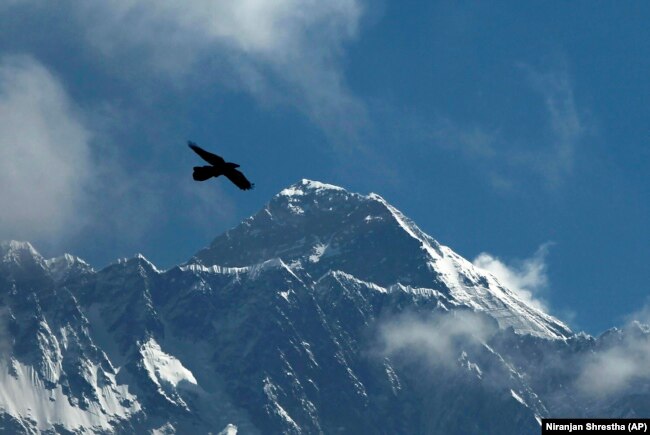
[(515, 133)]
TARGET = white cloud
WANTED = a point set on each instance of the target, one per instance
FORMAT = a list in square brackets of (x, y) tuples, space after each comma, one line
[(622, 360), (617, 365), (53, 190), (527, 278), (44, 154), (285, 50), (436, 339), (277, 29)]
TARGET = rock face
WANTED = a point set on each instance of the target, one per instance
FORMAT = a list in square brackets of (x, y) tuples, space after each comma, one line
[(326, 312)]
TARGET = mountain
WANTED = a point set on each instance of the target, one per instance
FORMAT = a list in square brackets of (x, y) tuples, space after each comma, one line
[(326, 312), (318, 228)]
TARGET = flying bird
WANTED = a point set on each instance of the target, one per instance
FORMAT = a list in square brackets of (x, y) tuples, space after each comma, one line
[(218, 167)]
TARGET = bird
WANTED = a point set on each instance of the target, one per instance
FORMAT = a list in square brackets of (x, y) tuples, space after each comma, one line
[(218, 166)]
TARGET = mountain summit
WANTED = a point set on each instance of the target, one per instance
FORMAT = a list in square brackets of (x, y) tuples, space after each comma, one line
[(317, 228), (326, 312)]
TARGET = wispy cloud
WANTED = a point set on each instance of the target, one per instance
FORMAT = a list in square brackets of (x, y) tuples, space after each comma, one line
[(44, 153), (622, 361), (547, 155), (285, 51), (437, 340), (566, 124), (527, 278)]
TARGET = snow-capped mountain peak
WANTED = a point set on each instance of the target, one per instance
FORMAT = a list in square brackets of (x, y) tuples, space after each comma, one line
[(317, 227), (17, 251), (326, 312), (66, 265), (309, 186)]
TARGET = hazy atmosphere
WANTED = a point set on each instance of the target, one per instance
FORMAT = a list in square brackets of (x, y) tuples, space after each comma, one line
[(515, 134)]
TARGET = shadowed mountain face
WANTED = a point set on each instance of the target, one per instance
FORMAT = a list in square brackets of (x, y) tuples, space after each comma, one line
[(326, 312), (316, 228)]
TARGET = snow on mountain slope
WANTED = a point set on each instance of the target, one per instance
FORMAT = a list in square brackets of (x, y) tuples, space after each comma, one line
[(51, 373), (164, 368), (25, 395), (317, 227), (67, 266), (326, 312)]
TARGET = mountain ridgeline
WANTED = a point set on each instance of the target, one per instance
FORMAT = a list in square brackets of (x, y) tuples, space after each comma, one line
[(325, 312)]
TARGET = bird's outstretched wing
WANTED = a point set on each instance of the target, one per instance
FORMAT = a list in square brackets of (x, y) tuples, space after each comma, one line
[(213, 159), (239, 179)]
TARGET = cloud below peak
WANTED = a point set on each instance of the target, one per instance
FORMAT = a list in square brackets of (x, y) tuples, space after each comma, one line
[(437, 340), (622, 361)]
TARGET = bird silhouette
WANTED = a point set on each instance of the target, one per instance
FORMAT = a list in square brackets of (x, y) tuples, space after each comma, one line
[(218, 167)]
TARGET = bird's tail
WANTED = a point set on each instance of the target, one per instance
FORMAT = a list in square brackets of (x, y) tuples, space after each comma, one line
[(202, 173)]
